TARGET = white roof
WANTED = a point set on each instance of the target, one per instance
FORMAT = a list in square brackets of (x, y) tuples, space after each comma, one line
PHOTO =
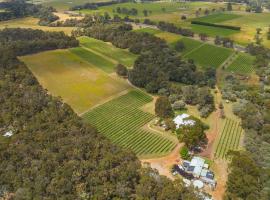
[(206, 165), (198, 163), (198, 184), (204, 172), (180, 120), (8, 134), (187, 182)]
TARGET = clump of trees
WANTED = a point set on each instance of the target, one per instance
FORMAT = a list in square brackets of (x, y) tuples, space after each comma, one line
[(126, 11), (121, 70), (225, 42), (163, 108), (53, 153)]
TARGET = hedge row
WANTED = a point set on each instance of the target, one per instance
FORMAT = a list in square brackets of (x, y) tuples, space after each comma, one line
[(237, 28)]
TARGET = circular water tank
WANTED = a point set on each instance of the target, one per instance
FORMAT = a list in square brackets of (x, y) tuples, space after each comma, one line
[(198, 184)]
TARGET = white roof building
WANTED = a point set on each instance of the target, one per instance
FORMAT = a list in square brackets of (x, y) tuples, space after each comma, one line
[(198, 163), (8, 134), (181, 120)]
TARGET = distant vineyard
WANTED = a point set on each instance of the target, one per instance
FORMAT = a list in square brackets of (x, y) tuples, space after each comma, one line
[(190, 44), (229, 138), (121, 121), (242, 64), (209, 55)]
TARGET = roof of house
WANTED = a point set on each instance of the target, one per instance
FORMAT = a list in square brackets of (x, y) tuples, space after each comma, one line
[(8, 134), (180, 120)]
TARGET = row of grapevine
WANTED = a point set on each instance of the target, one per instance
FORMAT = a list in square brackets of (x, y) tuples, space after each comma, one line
[(121, 120), (229, 138), (243, 64)]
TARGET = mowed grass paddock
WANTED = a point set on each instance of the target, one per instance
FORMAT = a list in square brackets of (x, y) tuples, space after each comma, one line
[(79, 83), (122, 56), (121, 120), (229, 138)]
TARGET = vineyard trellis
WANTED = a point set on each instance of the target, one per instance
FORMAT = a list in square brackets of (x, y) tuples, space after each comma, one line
[(121, 121), (229, 138)]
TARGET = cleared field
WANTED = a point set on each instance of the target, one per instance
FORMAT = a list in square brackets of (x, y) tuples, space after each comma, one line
[(99, 47), (169, 37), (190, 44), (243, 64), (213, 31), (217, 18), (209, 55), (76, 81), (94, 59), (30, 22), (121, 120), (229, 138), (148, 30)]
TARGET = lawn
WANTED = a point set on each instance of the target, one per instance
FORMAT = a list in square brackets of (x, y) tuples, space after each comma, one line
[(94, 59), (190, 44), (243, 64), (30, 22), (76, 81), (148, 30), (229, 138), (217, 18), (108, 51), (121, 120), (209, 55)]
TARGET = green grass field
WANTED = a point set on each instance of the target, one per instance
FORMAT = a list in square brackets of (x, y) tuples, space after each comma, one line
[(190, 44), (217, 18), (229, 138), (148, 30), (109, 51), (243, 64), (213, 31), (94, 59), (121, 120), (209, 55), (76, 81)]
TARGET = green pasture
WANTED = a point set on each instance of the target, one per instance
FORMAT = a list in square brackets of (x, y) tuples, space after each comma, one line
[(209, 55), (122, 121), (229, 138), (217, 18), (213, 31), (243, 64), (77, 82), (109, 51), (94, 59), (148, 30), (169, 37)]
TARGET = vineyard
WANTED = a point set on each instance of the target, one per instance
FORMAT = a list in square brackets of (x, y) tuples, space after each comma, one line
[(209, 55), (243, 64), (190, 44), (121, 121), (229, 138)]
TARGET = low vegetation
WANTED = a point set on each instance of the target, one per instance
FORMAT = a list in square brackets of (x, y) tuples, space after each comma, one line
[(229, 138), (122, 121), (209, 56)]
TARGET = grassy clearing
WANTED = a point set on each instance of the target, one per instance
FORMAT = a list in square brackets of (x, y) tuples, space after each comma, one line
[(148, 30), (169, 37), (94, 59), (190, 44), (213, 31), (217, 18), (121, 120), (229, 138), (209, 55), (119, 55), (243, 64), (30, 22), (76, 81)]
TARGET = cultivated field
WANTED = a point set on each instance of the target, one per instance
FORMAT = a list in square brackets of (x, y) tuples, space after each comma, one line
[(108, 51), (217, 18), (30, 22), (94, 59), (77, 82), (190, 44), (121, 120), (209, 55), (243, 64), (169, 37), (229, 138)]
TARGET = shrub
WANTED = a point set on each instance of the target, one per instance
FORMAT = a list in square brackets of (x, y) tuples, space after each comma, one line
[(184, 153)]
